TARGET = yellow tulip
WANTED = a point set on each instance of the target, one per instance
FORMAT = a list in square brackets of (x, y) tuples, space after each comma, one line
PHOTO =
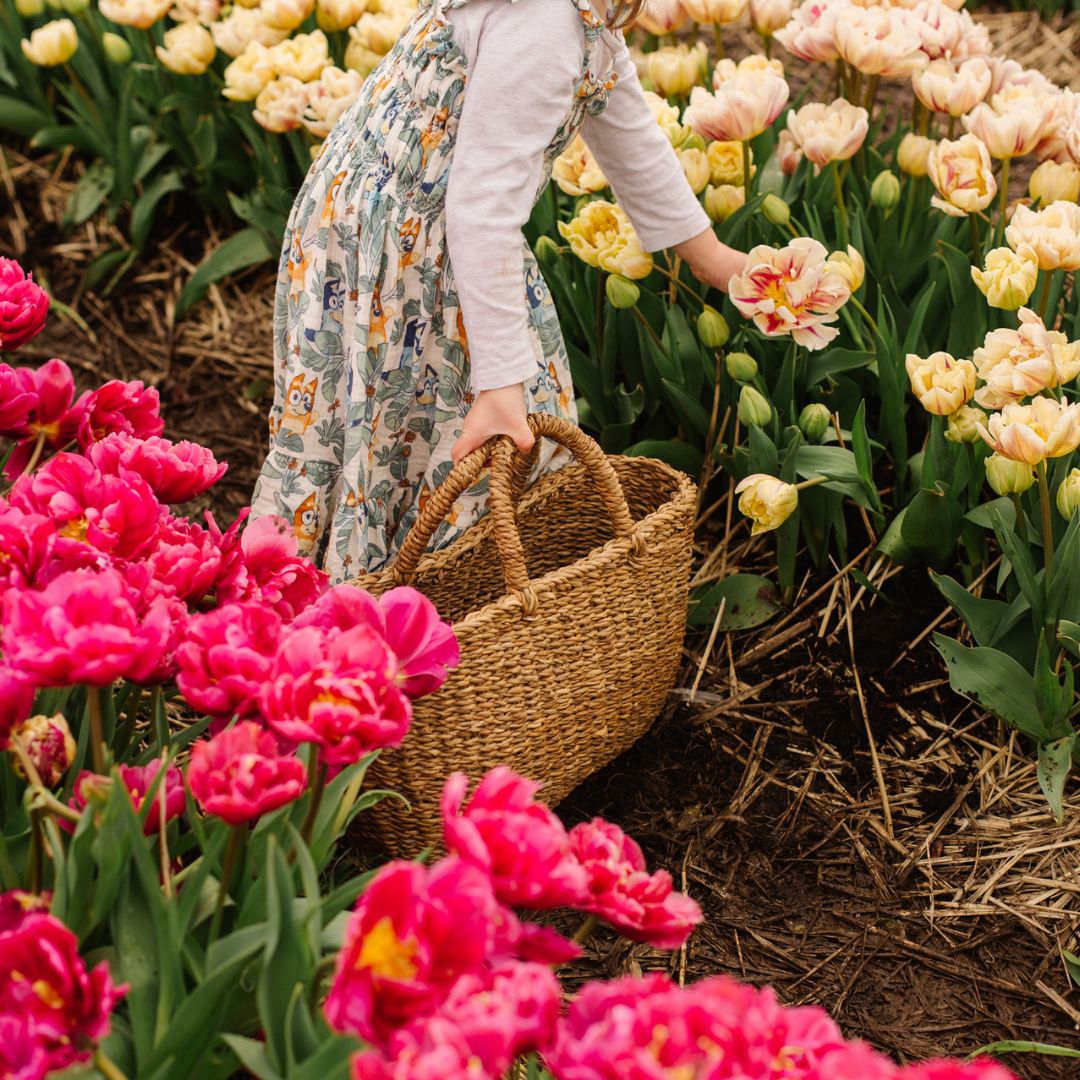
[(1009, 277), (913, 154), (141, 14), (1054, 182), (667, 118), (240, 28), (726, 162), (940, 381), (674, 69), (280, 106), (286, 14), (52, 44), (334, 16), (767, 501), (29, 9), (602, 236), (576, 171), (696, 167), (1008, 477), (722, 201), (188, 49), (849, 265), (249, 73), (302, 56), (1068, 495), (1053, 233)]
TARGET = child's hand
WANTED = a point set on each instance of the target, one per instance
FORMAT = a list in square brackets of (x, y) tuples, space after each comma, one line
[(495, 412), (710, 261)]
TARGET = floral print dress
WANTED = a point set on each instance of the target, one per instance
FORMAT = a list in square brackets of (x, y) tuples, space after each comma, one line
[(371, 357)]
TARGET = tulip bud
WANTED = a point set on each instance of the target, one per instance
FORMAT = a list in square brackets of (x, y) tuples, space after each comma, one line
[(776, 210), (1068, 495), (721, 202), (913, 153), (29, 9), (117, 50), (74, 7), (546, 250), (754, 408), (693, 142), (621, 292), (963, 425), (814, 421), (1052, 182), (742, 367), (1008, 477), (713, 329), (885, 190), (47, 742)]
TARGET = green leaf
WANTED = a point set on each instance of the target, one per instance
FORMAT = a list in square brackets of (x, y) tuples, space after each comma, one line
[(1023, 564), (994, 680), (821, 365), (749, 600), (1072, 965), (243, 249), (931, 524), (142, 214), (21, 117), (1069, 636), (331, 1062), (1013, 1046), (252, 1056), (689, 410), (892, 544), (1055, 761), (864, 461), (988, 620), (679, 455), (90, 193), (62, 136)]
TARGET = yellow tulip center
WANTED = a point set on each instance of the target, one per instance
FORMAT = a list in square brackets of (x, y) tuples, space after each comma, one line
[(386, 955), (75, 529)]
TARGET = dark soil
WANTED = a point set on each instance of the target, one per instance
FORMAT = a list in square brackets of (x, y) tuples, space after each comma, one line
[(761, 797)]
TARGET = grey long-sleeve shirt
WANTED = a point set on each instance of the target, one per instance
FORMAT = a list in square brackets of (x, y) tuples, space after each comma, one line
[(524, 59)]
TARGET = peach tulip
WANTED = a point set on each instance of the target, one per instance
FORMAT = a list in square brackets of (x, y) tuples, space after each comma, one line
[(960, 173), (940, 381), (1015, 364), (945, 88), (754, 63), (286, 14), (811, 32), (913, 154), (742, 108), (1053, 233), (832, 132), (249, 73), (280, 105), (879, 41), (328, 97), (1046, 428), (768, 16), (187, 49), (240, 28), (1011, 132), (663, 17)]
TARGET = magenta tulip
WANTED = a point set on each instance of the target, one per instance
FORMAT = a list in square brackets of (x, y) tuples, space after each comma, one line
[(130, 407), (175, 472), (24, 306)]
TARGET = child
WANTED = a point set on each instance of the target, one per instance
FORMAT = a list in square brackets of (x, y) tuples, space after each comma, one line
[(412, 323)]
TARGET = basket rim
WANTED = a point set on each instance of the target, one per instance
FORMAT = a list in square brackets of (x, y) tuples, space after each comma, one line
[(599, 558)]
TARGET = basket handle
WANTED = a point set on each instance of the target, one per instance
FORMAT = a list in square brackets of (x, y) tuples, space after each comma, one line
[(508, 475)]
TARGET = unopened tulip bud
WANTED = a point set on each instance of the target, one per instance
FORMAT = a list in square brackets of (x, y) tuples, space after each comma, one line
[(117, 50), (621, 292), (776, 210), (1052, 182), (1008, 477), (1068, 495), (754, 408), (767, 501), (814, 421), (693, 142), (742, 367), (721, 202), (849, 265), (29, 9), (713, 329), (546, 250), (962, 426), (913, 154), (885, 190), (47, 743), (74, 7)]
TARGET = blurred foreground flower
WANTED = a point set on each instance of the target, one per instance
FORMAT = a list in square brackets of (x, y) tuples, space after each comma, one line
[(52, 44), (1054, 182), (47, 743), (188, 49)]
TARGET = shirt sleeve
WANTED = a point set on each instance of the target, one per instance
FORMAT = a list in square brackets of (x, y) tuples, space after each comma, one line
[(641, 164), (524, 62)]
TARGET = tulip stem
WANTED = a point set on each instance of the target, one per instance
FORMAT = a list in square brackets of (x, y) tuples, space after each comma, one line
[(107, 1068), (97, 737), (746, 167), (35, 457), (841, 207), (1047, 524), (584, 931), (1004, 181), (1044, 299), (682, 284), (976, 244), (718, 37), (651, 331), (865, 314), (952, 126), (316, 784), (237, 839), (812, 482)]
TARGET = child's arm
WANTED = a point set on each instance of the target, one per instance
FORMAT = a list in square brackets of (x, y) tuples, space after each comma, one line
[(649, 182), (523, 60)]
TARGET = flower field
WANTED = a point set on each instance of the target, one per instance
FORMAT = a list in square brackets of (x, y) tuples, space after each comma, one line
[(847, 848)]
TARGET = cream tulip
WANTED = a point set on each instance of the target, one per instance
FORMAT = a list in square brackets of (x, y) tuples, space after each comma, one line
[(767, 501), (662, 17), (333, 16), (1052, 182), (832, 132), (811, 32), (29, 9), (249, 73), (358, 56), (1046, 428), (674, 69), (754, 63), (941, 382), (742, 108), (302, 56), (576, 171), (768, 16), (1007, 477), (380, 30), (281, 104), (726, 162), (187, 49), (913, 154), (1015, 364), (52, 44), (942, 87), (1053, 233), (1009, 278), (240, 28), (667, 118), (849, 265), (723, 200), (879, 41), (961, 175), (328, 97), (715, 12), (286, 14), (141, 14), (602, 236), (1013, 132), (698, 172)]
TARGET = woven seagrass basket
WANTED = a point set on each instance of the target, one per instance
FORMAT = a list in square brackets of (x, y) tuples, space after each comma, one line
[(570, 610)]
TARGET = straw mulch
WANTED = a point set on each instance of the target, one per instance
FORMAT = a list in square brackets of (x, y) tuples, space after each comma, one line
[(859, 837)]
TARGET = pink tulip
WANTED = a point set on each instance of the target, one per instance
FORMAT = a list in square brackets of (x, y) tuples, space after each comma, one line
[(982, 1069), (854, 1060), (413, 934), (641, 906), (226, 656), (85, 627), (262, 564), (517, 940), (518, 841), (17, 905), (116, 516), (24, 306), (22, 1057), (175, 472), (43, 979), (437, 1050), (26, 544), (16, 400), (335, 690), (131, 407), (239, 774), (424, 646), (52, 415), (16, 700), (48, 744), (137, 780), (184, 561)]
